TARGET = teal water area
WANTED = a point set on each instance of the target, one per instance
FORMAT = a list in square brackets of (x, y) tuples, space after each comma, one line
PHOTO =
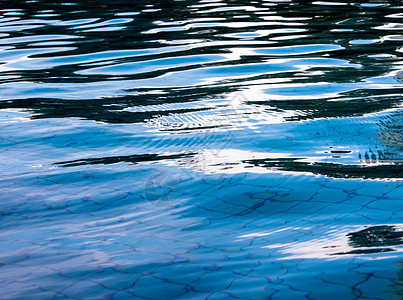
[(209, 149)]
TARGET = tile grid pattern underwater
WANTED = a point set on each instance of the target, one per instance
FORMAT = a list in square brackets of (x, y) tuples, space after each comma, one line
[(201, 149)]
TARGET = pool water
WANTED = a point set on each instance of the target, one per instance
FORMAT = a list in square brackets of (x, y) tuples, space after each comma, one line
[(202, 149)]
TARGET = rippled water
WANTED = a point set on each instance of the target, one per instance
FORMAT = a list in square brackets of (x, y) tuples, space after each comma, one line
[(201, 149)]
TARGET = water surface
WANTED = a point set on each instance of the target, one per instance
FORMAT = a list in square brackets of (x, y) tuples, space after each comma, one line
[(201, 149)]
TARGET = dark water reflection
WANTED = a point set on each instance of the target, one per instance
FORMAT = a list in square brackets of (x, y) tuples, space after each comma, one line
[(375, 239), (295, 60), (182, 51)]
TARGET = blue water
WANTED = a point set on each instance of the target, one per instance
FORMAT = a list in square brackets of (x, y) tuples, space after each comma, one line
[(203, 149)]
